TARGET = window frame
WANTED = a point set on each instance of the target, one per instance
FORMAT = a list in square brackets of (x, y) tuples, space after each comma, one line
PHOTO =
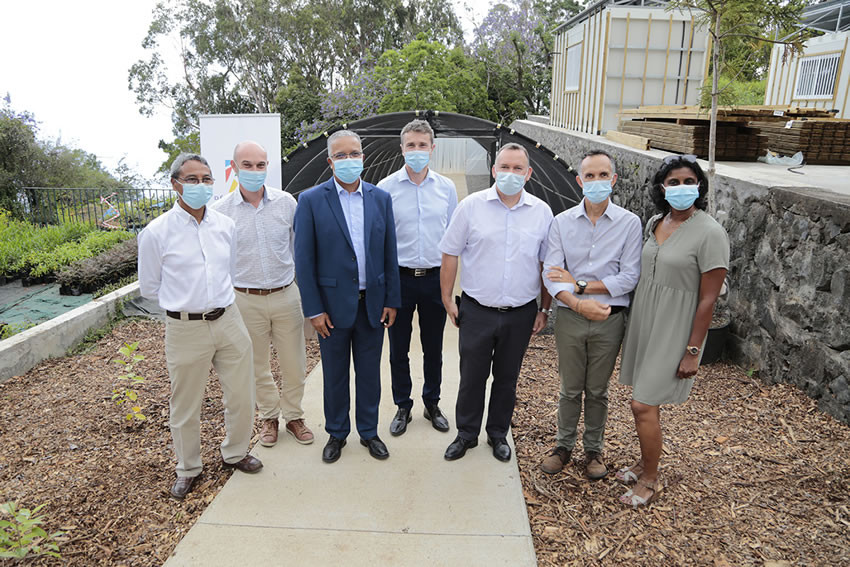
[(809, 82)]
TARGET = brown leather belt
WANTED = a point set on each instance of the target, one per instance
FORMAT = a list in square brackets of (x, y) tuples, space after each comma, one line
[(255, 291), (208, 316), (417, 272)]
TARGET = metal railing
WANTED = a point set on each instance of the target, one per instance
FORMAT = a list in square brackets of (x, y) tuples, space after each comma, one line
[(125, 208)]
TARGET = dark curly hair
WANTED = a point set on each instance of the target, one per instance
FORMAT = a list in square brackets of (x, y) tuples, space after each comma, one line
[(675, 162)]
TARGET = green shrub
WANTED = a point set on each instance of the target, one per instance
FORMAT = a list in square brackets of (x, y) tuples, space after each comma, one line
[(107, 267), (22, 535), (45, 262)]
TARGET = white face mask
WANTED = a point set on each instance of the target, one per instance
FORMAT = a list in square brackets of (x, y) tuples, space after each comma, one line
[(509, 183)]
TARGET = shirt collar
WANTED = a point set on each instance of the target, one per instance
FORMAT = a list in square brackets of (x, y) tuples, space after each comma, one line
[(266, 196), (493, 195), (610, 210), (184, 215), (405, 175), (340, 189)]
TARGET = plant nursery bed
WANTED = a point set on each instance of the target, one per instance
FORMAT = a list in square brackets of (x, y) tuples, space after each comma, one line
[(754, 474), (64, 443)]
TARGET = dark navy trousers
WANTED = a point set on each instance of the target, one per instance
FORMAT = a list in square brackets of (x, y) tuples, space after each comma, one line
[(365, 342), (420, 294)]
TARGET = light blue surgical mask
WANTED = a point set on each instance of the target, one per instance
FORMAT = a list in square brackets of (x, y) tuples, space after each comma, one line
[(196, 195), (417, 160), (509, 183), (681, 197), (596, 191), (252, 180), (348, 170)]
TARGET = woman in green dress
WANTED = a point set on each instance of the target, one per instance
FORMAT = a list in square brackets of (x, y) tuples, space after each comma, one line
[(683, 265)]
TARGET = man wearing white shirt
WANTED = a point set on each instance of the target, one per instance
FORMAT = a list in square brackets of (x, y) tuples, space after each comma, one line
[(500, 237), (266, 292), (592, 265), (186, 258), (423, 203)]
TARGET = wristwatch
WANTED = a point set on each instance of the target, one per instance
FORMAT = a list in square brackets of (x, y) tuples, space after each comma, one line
[(580, 286), (547, 312), (693, 350)]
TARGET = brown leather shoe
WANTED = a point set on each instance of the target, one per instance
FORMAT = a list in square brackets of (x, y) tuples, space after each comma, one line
[(182, 486), (268, 432), (555, 462), (248, 464), (596, 469), (298, 429)]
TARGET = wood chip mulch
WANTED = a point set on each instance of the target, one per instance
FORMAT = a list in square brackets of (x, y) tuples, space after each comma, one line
[(754, 474), (105, 481)]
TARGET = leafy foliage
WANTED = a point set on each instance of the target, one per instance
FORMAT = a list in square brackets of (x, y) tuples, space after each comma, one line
[(126, 394), (22, 536), (107, 267), (21, 239), (46, 261), (11, 329)]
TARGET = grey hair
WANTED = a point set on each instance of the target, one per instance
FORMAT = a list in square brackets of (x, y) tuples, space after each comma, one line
[(598, 152), (420, 126), (178, 162), (245, 143), (342, 134), (513, 146)]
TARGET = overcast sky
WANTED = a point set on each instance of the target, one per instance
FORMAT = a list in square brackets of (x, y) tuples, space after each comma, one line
[(67, 62)]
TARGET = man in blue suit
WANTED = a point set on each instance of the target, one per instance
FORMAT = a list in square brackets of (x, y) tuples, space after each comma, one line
[(347, 268)]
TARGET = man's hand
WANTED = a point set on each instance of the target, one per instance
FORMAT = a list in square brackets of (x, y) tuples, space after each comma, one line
[(323, 325), (560, 275), (388, 316), (539, 322), (593, 310), (451, 309), (688, 366)]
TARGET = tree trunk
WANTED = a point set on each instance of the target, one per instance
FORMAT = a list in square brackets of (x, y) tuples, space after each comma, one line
[(712, 130)]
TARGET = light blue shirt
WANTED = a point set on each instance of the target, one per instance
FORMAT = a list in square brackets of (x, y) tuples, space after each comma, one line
[(500, 249), (352, 208), (608, 251), (422, 214)]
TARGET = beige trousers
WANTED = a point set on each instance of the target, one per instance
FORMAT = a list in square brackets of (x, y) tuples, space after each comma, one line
[(277, 318), (190, 348)]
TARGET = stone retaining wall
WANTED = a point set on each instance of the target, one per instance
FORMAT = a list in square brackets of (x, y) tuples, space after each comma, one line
[(789, 273)]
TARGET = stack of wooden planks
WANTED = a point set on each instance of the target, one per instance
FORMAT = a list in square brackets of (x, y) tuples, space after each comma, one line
[(743, 133), (735, 142), (824, 142)]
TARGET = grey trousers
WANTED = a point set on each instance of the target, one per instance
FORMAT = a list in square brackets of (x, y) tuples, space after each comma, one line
[(587, 353)]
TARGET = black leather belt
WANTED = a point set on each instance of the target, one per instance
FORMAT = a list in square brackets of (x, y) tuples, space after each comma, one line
[(417, 272), (208, 316), (361, 295), (617, 308), (499, 309)]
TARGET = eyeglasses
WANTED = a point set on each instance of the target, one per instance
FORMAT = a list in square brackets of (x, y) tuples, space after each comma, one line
[(352, 155), (690, 158), (192, 180)]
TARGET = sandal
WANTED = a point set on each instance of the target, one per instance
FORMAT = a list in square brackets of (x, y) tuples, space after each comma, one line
[(635, 501), (629, 475)]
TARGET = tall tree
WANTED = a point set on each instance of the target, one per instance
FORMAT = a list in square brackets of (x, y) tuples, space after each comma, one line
[(729, 22)]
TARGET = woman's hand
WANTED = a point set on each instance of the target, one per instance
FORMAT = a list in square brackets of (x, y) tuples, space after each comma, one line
[(687, 367)]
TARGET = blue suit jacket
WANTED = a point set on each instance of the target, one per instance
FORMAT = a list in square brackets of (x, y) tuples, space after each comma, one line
[(325, 262)]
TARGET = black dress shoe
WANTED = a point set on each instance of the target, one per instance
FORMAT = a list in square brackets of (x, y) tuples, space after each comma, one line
[(436, 417), (501, 449), (458, 448), (333, 449), (400, 421), (248, 464), (376, 447), (182, 486)]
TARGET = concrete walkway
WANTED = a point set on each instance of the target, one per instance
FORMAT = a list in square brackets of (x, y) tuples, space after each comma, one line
[(415, 508)]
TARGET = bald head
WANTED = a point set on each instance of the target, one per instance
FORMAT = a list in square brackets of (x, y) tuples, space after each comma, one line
[(250, 156)]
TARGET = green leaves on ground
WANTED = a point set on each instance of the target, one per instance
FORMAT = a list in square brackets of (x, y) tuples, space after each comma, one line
[(126, 394), (22, 536)]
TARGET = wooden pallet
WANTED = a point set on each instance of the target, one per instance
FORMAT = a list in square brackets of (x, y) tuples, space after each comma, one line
[(821, 141), (734, 142), (695, 114)]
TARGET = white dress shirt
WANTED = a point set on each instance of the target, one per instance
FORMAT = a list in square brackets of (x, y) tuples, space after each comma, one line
[(608, 251), (352, 209), (266, 237), (187, 266), (500, 249), (422, 214)]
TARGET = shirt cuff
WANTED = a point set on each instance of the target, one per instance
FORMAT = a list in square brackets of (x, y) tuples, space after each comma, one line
[(316, 315), (614, 289)]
